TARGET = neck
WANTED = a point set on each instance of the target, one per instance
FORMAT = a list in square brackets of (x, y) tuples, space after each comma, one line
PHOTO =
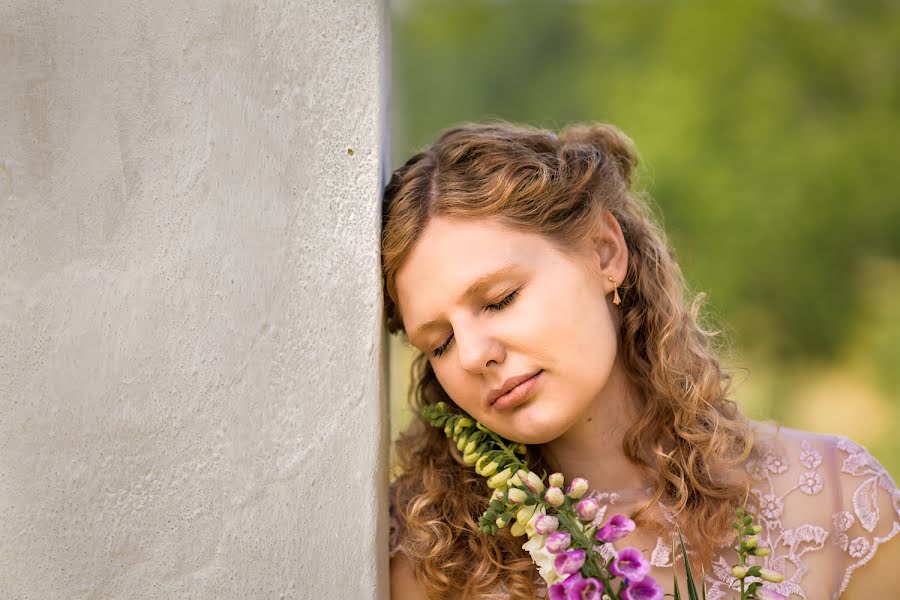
[(592, 447)]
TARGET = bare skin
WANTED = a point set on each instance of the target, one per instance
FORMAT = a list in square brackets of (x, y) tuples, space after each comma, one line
[(561, 321), (556, 318)]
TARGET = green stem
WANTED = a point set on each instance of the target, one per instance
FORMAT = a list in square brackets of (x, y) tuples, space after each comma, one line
[(570, 524), (741, 557)]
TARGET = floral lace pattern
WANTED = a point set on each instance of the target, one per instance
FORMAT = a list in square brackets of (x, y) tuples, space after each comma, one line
[(826, 504)]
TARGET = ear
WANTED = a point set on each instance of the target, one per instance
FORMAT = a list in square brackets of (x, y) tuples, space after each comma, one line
[(608, 251)]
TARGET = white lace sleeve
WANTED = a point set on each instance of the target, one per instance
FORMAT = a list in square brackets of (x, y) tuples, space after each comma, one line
[(825, 506), (869, 511)]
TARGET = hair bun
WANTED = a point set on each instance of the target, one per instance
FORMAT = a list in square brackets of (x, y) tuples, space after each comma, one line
[(610, 141)]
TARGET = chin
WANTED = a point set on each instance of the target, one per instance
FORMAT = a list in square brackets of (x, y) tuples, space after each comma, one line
[(537, 426)]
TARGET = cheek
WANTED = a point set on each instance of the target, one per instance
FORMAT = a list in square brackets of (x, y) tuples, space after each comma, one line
[(460, 388)]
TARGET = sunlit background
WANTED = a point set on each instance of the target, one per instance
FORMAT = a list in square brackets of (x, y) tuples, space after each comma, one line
[(769, 134)]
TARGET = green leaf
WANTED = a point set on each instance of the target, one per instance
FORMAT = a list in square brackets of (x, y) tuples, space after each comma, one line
[(691, 587), (674, 573)]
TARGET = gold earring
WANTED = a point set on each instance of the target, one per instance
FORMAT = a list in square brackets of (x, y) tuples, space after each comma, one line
[(616, 299)]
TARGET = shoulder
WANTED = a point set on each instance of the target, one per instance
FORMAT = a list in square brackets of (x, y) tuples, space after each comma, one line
[(830, 491), (868, 520), (404, 584)]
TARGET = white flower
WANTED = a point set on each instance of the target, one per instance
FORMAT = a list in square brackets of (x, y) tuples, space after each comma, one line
[(776, 464), (532, 521), (811, 483), (542, 559), (843, 520), (858, 547), (771, 506), (809, 457)]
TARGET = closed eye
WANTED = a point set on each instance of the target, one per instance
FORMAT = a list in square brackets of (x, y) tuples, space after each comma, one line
[(493, 307)]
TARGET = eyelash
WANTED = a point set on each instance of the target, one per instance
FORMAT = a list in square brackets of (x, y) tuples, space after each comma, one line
[(498, 306)]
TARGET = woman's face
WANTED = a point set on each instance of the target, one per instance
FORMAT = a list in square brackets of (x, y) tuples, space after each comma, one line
[(487, 303)]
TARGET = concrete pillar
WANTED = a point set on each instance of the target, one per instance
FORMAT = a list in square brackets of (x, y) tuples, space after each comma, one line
[(191, 350)]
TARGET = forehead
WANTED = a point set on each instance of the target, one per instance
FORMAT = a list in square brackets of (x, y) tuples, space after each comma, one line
[(451, 254)]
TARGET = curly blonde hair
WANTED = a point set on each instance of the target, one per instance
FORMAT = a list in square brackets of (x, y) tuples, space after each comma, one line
[(688, 437)]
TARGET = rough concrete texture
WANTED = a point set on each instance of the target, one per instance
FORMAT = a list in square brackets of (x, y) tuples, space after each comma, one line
[(191, 351)]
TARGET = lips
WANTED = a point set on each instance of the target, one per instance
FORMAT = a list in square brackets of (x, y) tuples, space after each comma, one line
[(509, 385)]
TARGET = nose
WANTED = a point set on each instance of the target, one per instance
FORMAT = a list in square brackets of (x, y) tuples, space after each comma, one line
[(477, 348)]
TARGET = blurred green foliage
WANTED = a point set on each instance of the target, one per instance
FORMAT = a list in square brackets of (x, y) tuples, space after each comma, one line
[(769, 131)]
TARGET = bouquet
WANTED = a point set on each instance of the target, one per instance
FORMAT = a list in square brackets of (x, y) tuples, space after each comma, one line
[(573, 554)]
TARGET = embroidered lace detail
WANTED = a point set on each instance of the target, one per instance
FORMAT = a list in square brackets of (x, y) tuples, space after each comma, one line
[(825, 506)]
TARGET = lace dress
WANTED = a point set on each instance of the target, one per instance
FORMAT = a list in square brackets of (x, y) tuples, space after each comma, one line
[(826, 505)]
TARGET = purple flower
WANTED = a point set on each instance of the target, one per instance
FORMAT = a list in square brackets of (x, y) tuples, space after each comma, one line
[(586, 589), (546, 524), (569, 562), (560, 591), (576, 587), (766, 594), (558, 542), (630, 564), (557, 591), (555, 496), (587, 509), (645, 589), (577, 488), (615, 529)]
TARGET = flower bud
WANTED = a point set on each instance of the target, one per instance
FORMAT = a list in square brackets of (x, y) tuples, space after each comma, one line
[(555, 496), (525, 513), (558, 542), (516, 495), (448, 429), (500, 478), (556, 480), (503, 520), (520, 449), (489, 469), (760, 551), (470, 447), (754, 529), (471, 459), (770, 575), (534, 483), (481, 464), (497, 495), (739, 572), (532, 522), (463, 423), (569, 562), (587, 509), (546, 524), (750, 542), (767, 594), (517, 529), (577, 488)]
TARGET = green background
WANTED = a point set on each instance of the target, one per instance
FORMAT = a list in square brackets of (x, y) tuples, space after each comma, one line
[(769, 136)]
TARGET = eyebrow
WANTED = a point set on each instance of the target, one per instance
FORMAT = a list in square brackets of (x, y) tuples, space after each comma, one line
[(474, 289)]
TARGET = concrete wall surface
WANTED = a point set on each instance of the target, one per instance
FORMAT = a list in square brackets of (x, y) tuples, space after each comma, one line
[(191, 350)]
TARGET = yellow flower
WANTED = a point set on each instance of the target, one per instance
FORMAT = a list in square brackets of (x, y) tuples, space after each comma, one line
[(500, 478), (738, 572), (770, 575)]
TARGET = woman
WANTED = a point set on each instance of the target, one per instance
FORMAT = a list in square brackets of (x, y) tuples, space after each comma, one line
[(547, 305)]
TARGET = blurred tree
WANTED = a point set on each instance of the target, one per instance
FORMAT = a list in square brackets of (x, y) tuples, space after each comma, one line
[(770, 131)]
